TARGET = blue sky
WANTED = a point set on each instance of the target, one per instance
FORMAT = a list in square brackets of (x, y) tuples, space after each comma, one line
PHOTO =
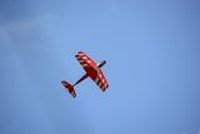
[(152, 52)]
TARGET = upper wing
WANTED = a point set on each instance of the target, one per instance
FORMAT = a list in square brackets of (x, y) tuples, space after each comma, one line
[(101, 81), (94, 73), (85, 60)]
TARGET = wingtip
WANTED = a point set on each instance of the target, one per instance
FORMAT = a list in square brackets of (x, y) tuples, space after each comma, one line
[(80, 52), (104, 88)]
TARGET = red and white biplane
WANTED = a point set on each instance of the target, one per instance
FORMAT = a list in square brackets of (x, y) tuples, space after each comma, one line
[(92, 70)]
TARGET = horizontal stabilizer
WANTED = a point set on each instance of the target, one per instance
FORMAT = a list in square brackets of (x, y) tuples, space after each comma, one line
[(69, 87)]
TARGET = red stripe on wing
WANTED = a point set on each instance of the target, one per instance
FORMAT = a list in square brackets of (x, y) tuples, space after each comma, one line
[(101, 81), (85, 60)]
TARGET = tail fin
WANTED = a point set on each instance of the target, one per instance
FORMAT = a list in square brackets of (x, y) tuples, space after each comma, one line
[(69, 87)]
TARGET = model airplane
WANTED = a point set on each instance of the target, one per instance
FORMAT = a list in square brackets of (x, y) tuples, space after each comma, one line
[(92, 70)]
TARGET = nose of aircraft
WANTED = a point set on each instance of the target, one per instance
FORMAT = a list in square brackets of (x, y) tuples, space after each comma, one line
[(102, 64)]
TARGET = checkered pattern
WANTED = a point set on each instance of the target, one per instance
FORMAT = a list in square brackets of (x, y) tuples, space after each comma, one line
[(101, 81), (85, 62)]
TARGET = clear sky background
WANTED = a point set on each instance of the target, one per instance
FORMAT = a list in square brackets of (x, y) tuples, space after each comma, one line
[(152, 48)]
